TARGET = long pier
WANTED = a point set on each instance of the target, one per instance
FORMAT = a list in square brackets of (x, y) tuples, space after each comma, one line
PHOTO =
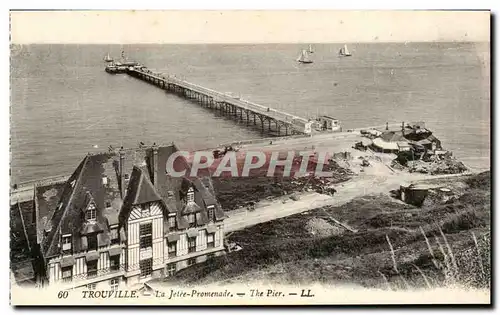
[(267, 119)]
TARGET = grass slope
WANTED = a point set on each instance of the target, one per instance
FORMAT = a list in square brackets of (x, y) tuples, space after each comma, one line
[(396, 245)]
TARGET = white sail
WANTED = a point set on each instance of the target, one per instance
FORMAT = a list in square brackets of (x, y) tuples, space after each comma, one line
[(299, 58), (108, 58), (346, 51), (304, 57), (311, 49)]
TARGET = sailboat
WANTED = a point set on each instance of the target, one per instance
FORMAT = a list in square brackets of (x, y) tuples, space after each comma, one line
[(344, 51), (108, 58), (311, 51), (304, 57)]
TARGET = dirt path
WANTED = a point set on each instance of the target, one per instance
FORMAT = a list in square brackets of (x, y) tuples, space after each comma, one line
[(357, 187), (308, 201)]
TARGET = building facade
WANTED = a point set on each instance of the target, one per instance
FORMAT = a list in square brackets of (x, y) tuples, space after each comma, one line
[(121, 219)]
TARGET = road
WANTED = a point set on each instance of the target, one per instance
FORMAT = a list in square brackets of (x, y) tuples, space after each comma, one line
[(357, 187)]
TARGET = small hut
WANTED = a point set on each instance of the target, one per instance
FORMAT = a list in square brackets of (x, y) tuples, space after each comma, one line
[(329, 123)]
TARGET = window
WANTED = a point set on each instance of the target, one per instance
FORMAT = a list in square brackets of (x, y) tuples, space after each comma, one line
[(92, 241), (114, 263), (108, 204), (146, 235), (190, 195), (127, 176), (191, 244), (210, 240), (91, 286), (67, 274), (105, 180), (171, 269), (211, 217), (172, 223), (114, 283), (191, 261), (172, 249), (66, 245), (191, 220), (145, 210), (91, 212), (115, 238), (146, 267), (92, 269)]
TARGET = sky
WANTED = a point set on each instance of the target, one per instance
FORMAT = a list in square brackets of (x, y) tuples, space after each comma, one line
[(188, 27)]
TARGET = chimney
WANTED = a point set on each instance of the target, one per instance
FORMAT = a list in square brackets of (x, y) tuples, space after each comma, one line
[(403, 127), (154, 163), (386, 126), (122, 175)]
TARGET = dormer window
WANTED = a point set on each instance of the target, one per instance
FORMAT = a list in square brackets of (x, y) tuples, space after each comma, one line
[(66, 244), (190, 195), (108, 204), (172, 223), (115, 238), (191, 220), (211, 210), (91, 212)]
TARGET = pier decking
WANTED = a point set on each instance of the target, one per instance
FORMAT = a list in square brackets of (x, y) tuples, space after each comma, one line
[(268, 119)]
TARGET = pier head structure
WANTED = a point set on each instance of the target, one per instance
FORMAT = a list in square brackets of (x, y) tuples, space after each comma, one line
[(269, 120), (120, 218)]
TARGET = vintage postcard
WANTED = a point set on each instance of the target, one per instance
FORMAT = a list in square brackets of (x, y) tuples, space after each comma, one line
[(250, 157)]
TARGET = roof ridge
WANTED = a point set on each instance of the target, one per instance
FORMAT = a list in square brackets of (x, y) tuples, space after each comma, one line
[(77, 182)]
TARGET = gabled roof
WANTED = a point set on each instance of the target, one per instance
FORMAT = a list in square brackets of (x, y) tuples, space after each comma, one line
[(86, 185), (65, 209), (140, 190), (83, 187), (173, 189)]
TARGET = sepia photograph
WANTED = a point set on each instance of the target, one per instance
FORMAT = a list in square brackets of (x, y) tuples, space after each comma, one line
[(293, 157)]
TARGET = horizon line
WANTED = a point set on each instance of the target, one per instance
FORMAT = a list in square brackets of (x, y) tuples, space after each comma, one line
[(251, 43)]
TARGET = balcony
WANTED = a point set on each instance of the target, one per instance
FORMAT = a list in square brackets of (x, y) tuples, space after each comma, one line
[(100, 274), (92, 274)]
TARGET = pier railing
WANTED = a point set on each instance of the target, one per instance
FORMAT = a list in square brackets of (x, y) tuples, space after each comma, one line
[(296, 122), (238, 101)]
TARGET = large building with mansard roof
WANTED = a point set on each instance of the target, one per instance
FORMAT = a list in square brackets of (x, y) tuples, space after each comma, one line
[(122, 219)]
